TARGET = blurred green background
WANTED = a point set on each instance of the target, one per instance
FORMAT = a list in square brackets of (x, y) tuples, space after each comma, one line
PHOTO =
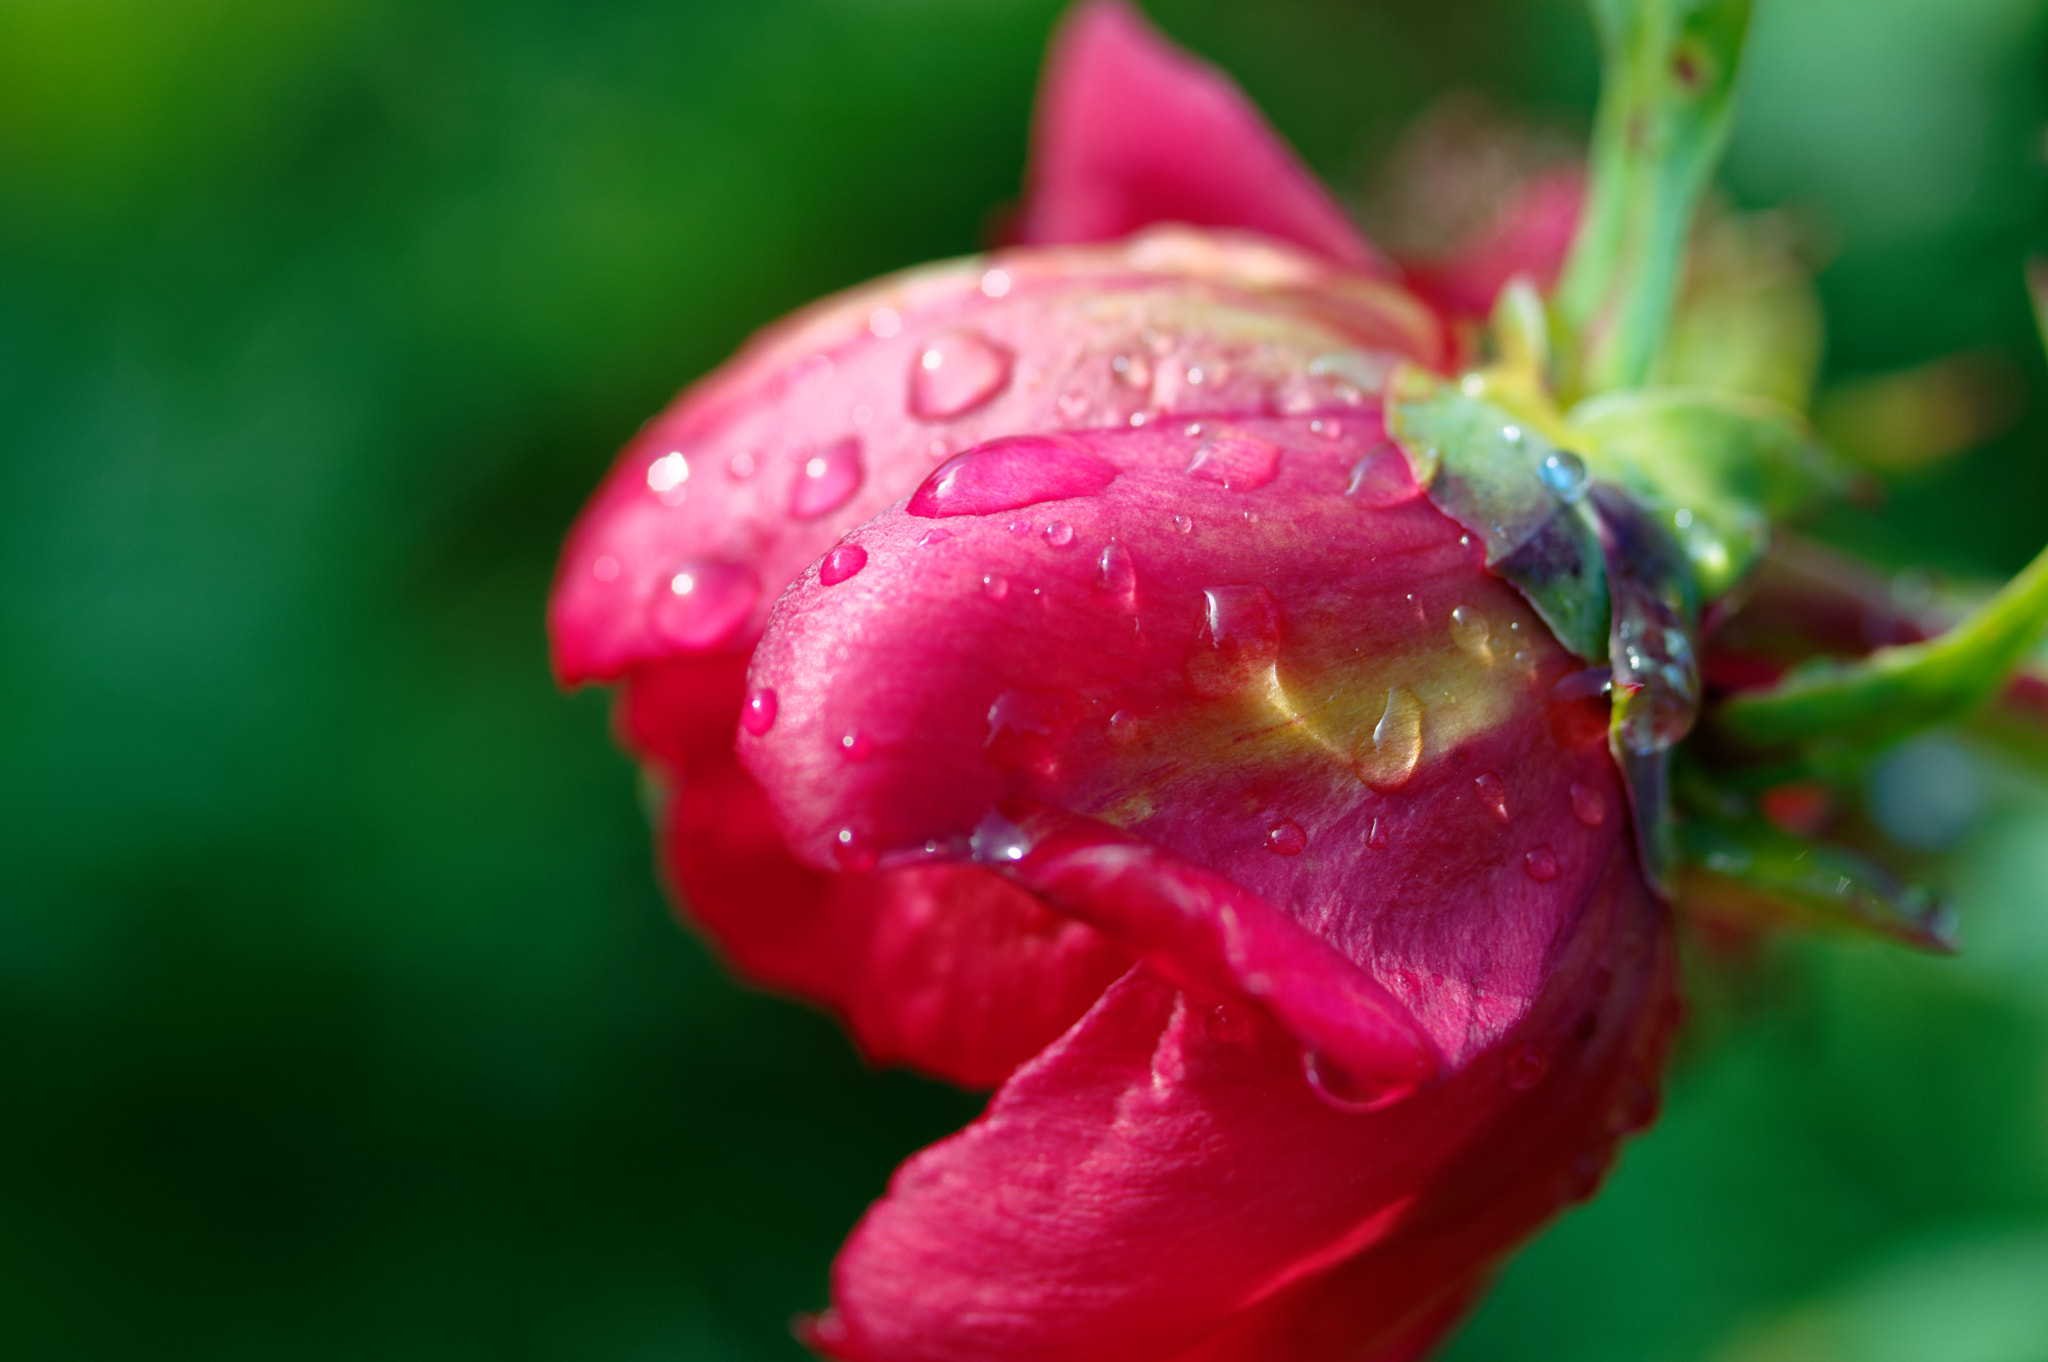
[(340, 1015)]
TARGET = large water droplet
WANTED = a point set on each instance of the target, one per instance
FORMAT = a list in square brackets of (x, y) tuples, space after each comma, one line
[(1238, 461), (1564, 473), (1470, 631), (826, 479), (1588, 805), (1116, 575), (842, 563), (1382, 479), (706, 601), (1493, 794), (758, 716), (955, 372), (1527, 1065), (1010, 473), (1541, 863), (1286, 838), (1239, 640), (1396, 747)]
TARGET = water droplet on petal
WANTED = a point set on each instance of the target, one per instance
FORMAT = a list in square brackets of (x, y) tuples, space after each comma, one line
[(1027, 728), (1185, 524), (1059, 534), (885, 322), (826, 479), (995, 283), (956, 372), (841, 563), (1238, 641), (740, 467), (1396, 747), (853, 851), (1541, 863), (1229, 1023), (1133, 370), (666, 476), (995, 586), (758, 716), (856, 746), (1116, 575), (1588, 806), (1527, 1065), (931, 537), (1564, 473), (1329, 430), (1123, 728), (1382, 479), (1286, 838), (706, 601), (1339, 1089), (1470, 631), (1381, 834), (998, 841), (1238, 461), (1579, 708), (1493, 794), (605, 569), (1009, 474)]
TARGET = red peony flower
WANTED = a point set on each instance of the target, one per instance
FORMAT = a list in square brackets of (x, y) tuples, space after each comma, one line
[(1053, 668)]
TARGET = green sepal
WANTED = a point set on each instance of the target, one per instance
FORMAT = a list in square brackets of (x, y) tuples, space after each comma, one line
[(1749, 872), (1668, 72), (1717, 467), (1520, 494), (1828, 705)]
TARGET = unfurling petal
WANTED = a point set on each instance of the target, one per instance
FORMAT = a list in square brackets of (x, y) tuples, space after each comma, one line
[(1132, 131)]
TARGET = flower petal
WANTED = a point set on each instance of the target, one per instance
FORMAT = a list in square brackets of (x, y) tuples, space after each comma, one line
[(1156, 1187), (1319, 697), (753, 474), (1133, 131), (949, 969)]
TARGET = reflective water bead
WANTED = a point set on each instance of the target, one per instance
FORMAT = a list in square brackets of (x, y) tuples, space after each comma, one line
[(1009, 474), (1286, 838), (1541, 863), (1059, 534), (1588, 806), (1470, 631), (1493, 794), (856, 746), (1396, 747), (995, 586), (1239, 461), (826, 479), (758, 716), (667, 475), (956, 372), (1238, 640), (1116, 575), (706, 602), (1564, 473), (842, 563)]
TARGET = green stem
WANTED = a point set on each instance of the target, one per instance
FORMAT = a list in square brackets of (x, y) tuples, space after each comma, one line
[(1666, 105)]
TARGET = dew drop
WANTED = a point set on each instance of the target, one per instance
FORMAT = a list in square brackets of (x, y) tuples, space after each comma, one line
[(740, 467), (605, 569), (995, 586), (1229, 1023), (1123, 728), (1527, 1065), (1286, 838), (706, 601), (1380, 835), (1073, 406), (856, 746), (1185, 524), (843, 562), (1564, 473), (667, 475), (758, 715), (853, 851), (1059, 534), (998, 841), (1396, 747), (1339, 1089), (1116, 575), (1134, 371), (1493, 793), (1329, 430), (931, 537), (956, 372), (1541, 863), (1009, 474), (1382, 479), (1470, 631), (1588, 806), (826, 479), (885, 322), (1236, 460), (995, 283), (1239, 639)]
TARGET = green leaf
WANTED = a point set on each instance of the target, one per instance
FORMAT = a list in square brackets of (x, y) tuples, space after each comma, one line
[(1666, 106), (1897, 691), (1719, 468), (1748, 872), (1500, 478)]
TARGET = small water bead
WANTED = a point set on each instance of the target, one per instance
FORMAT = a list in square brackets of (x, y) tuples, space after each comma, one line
[(1493, 794), (1194, 430), (1588, 806), (1381, 834), (1229, 1023), (856, 746), (1116, 575), (1238, 641), (1541, 863), (931, 537), (758, 715), (843, 562), (1338, 1089), (1009, 474), (995, 586), (1138, 418), (1237, 461), (706, 601), (1527, 1065), (666, 477), (1382, 479), (1123, 728), (956, 372), (1133, 371), (1564, 473), (1396, 748), (1183, 523), (885, 322), (1579, 708), (1286, 838), (853, 851), (995, 283), (605, 569), (826, 480), (1059, 534), (740, 467), (1470, 631), (998, 841), (1329, 430)]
